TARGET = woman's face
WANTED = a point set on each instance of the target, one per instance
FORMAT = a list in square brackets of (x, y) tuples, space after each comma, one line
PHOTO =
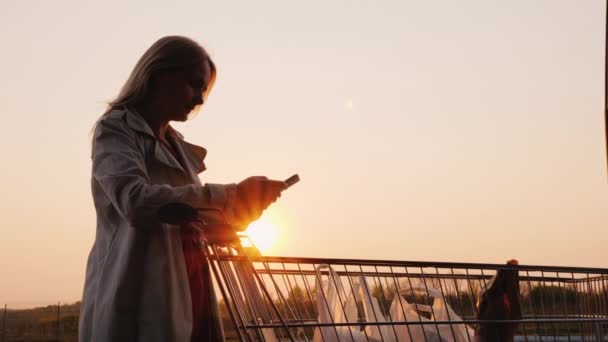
[(179, 92)]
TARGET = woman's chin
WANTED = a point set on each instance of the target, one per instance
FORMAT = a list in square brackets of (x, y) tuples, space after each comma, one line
[(183, 117)]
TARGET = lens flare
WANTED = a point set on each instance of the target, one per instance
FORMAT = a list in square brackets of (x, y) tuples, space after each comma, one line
[(263, 233)]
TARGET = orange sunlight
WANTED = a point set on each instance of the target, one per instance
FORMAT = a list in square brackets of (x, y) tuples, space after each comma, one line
[(263, 233)]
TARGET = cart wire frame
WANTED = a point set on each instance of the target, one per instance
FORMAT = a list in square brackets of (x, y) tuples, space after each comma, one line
[(320, 299)]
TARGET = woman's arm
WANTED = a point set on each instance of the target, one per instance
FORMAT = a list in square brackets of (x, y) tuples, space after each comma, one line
[(119, 168)]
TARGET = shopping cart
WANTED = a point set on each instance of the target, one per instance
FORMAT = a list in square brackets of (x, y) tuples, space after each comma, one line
[(316, 299), (328, 300)]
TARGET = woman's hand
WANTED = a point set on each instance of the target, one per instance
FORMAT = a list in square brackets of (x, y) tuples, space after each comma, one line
[(253, 196)]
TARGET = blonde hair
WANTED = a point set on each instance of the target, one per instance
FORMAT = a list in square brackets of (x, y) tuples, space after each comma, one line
[(167, 53)]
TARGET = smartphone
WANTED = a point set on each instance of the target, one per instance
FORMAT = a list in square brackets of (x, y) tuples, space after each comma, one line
[(292, 180)]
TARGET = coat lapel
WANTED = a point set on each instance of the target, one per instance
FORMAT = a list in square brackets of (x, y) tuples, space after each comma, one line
[(193, 155)]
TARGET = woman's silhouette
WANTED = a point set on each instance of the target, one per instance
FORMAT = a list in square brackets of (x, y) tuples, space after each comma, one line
[(145, 279)]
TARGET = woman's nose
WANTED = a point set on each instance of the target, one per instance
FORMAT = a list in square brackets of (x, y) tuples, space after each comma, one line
[(198, 100)]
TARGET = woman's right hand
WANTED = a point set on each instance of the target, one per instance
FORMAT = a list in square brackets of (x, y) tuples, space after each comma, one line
[(253, 196)]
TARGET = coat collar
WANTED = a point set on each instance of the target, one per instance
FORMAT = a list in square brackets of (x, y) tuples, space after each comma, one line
[(194, 155)]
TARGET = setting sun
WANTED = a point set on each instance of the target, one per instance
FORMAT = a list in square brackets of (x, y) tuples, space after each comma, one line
[(263, 233)]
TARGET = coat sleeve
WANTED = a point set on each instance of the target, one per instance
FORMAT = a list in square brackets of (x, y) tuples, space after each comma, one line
[(119, 167)]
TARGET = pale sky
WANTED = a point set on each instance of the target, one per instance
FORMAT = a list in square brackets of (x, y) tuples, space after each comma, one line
[(467, 130)]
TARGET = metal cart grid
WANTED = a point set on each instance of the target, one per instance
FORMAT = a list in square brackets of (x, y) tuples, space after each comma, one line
[(316, 299)]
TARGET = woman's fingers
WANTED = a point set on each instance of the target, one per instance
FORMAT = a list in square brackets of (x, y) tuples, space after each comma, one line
[(254, 195), (272, 191)]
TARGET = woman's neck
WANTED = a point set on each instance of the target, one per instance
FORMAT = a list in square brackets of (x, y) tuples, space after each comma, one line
[(155, 120)]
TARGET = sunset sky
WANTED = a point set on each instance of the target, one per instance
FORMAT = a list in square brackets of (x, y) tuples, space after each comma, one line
[(467, 130)]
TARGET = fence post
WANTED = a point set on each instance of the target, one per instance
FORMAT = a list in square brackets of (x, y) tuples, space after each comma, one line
[(57, 327), (4, 324)]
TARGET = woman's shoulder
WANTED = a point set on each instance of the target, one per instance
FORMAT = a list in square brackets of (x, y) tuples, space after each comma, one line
[(112, 123), (113, 118), (113, 131), (115, 114)]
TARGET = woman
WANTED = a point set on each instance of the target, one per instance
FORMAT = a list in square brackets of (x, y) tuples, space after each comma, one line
[(145, 279)]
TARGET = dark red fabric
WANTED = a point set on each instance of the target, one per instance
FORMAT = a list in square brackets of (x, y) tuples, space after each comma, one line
[(198, 273)]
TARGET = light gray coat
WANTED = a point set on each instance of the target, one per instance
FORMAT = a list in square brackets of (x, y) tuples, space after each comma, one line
[(136, 285)]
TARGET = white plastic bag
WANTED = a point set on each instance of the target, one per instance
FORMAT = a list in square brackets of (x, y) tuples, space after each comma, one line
[(337, 305), (373, 313), (402, 311), (330, 297), (440, 310)]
